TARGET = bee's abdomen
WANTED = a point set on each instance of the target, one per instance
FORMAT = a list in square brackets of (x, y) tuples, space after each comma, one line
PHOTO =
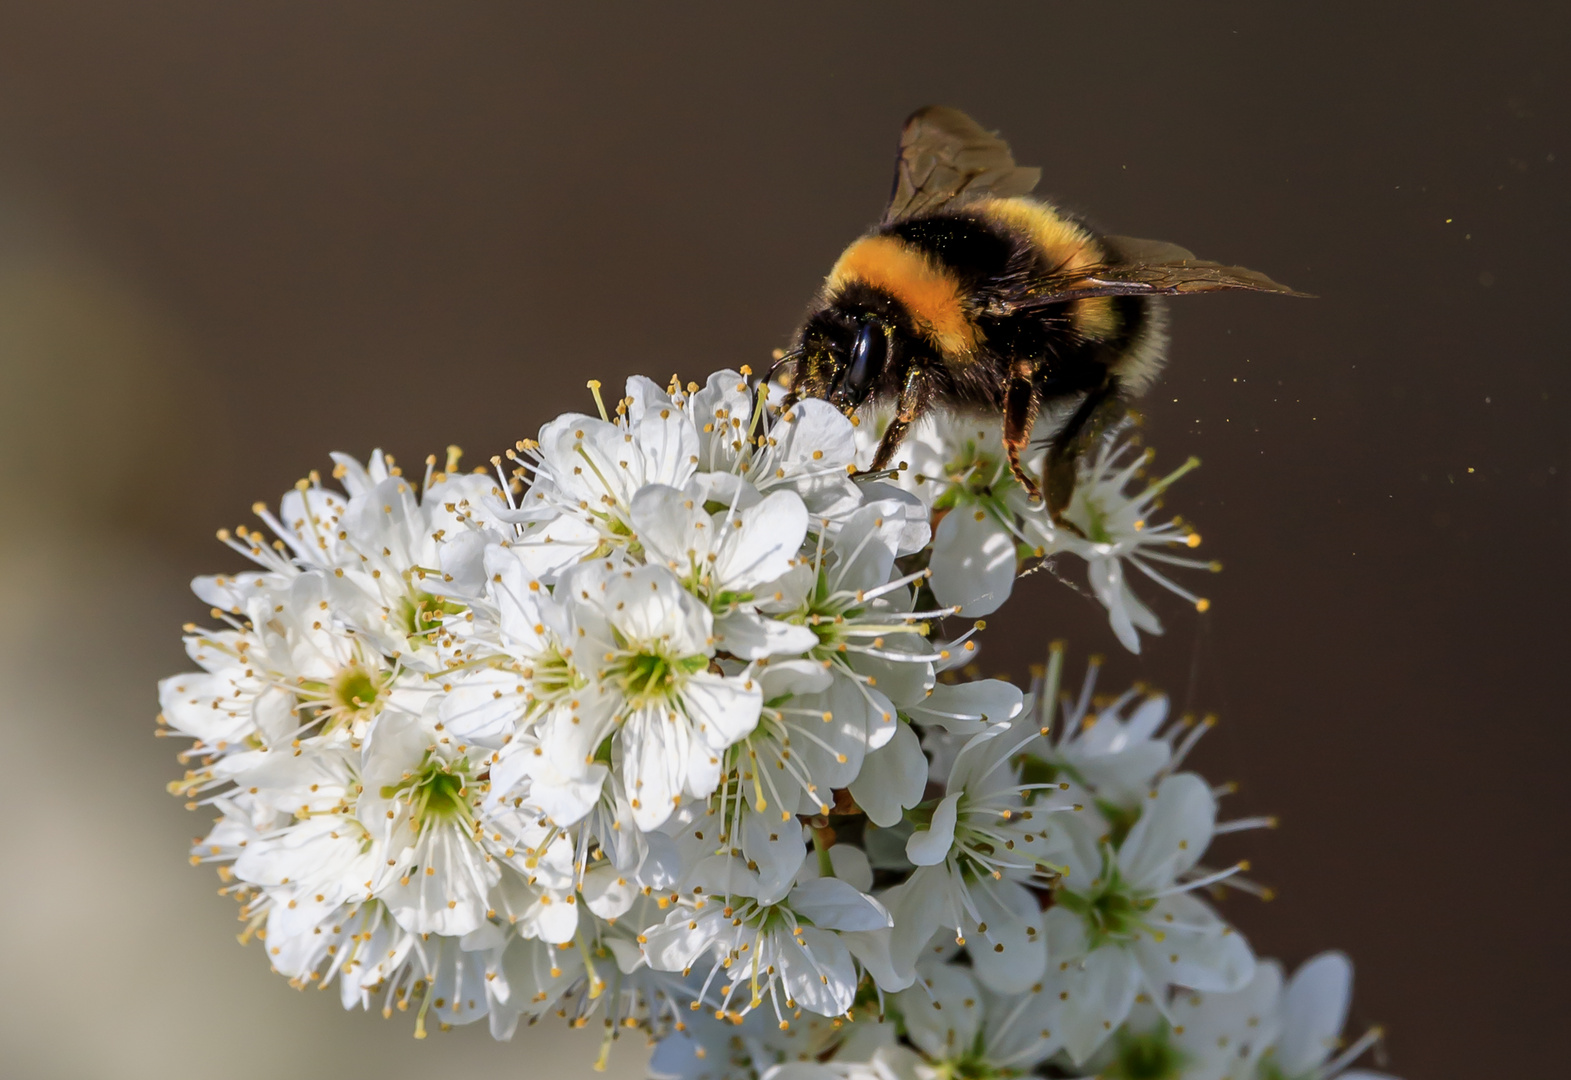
[(1122, 335), (1136, 355), (972, 248), (1059, 245)]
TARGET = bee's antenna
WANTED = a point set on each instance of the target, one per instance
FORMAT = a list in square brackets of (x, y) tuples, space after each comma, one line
[(783, 357)]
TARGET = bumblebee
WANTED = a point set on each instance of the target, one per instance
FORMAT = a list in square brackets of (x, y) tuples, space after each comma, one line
[(970, 294)]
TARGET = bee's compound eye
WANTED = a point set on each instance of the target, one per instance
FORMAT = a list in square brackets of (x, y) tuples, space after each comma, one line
[(868, 354)]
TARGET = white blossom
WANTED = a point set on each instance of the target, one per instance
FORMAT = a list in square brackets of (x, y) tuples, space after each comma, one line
[(982, 844), (669, 716), (1124, 923), (1261, 1031), (961, 1027), (763, 938), (1115, 533), (671, 730), (1115, 748)]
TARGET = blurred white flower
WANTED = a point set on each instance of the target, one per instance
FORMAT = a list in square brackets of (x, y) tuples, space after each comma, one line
[(1306, 1030), (1115, 748), (1148, 1044), (1255, 1033), (963, 1029)]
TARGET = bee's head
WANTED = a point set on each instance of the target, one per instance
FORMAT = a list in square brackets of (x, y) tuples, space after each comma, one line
[(843, 356)]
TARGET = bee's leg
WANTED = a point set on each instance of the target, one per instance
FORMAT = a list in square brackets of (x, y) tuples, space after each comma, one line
[(1020, 406), (913, 403), (1101, 408)]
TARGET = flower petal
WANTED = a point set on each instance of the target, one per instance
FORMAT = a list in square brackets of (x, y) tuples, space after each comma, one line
[(757, 544), (1196, 949), (776, 849), (966, 708), (942, 1011), (1011, 953), (892, 779), (818, 971), (608, 893), (1094, 996), (930, 846), (722, 709), (1313, 1012), (973, 561), (836, 905), (654, 756), (752, 636), (1172, 834)]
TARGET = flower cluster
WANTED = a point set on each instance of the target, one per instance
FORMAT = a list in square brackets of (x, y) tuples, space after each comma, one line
[(660, 723)]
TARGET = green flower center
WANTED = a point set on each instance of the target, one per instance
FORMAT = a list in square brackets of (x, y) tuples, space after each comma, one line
[(727, 600), (1150, 1056), (356, 690), (649, 677), (422, 613), (1120, 820), (830, 629), (977, 851), (1113, 915), (826, 614), (438, 791), (552, 673), (1093, 521), (972, 1066), (1268, 1069), (840, 618), (978, 475)]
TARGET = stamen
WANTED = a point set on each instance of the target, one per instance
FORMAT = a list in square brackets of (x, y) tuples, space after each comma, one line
[(594, 388)]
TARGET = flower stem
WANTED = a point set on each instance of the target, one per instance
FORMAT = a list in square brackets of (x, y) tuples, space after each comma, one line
[(823, 837)]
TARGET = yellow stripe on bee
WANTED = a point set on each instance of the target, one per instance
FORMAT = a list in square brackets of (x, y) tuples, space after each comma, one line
[(932, 295), (1060, 241), (1064, 246), (1095, 318)]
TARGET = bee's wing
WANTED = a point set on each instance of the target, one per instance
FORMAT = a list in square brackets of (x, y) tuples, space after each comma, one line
[(1131, 249), (1176, 278), (1139, 268), (945, 156)]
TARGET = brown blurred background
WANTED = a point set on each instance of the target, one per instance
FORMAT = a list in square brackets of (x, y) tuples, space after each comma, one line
[(236, 236)]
